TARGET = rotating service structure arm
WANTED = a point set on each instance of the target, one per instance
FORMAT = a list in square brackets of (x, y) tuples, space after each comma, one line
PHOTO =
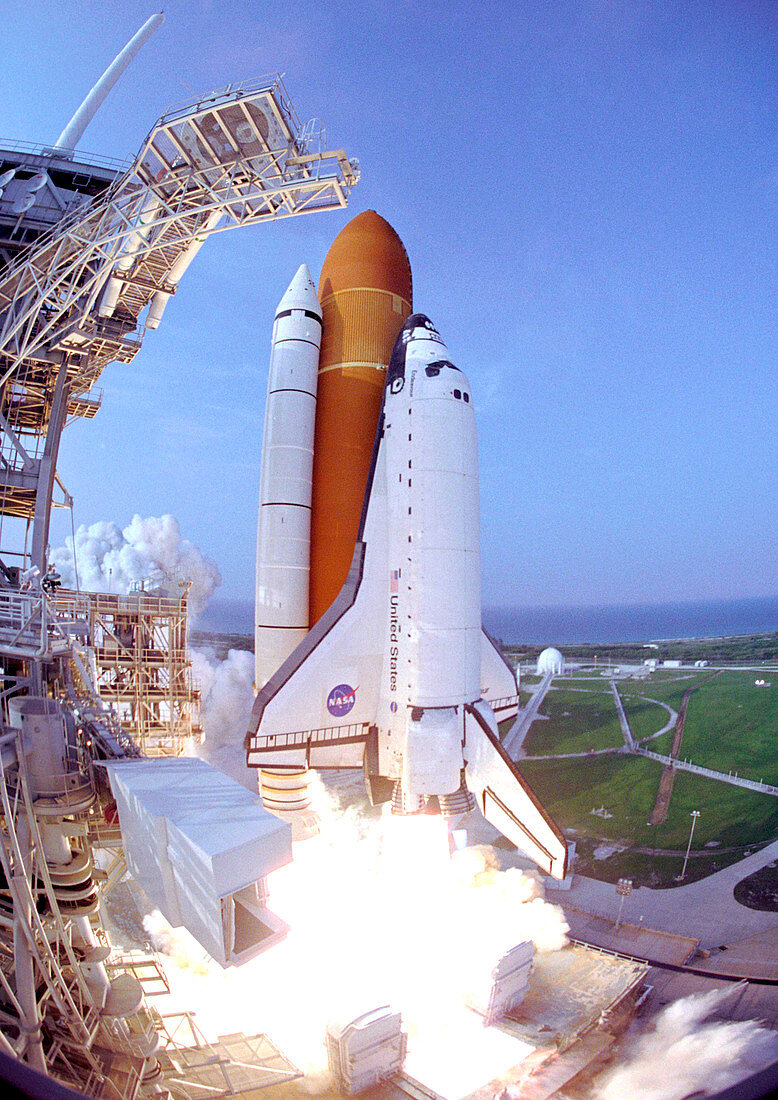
[(227, 161), (99, 271), (83, 294)]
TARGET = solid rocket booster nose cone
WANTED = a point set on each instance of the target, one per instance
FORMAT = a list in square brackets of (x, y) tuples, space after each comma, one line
[(301, 293), (367, 253)]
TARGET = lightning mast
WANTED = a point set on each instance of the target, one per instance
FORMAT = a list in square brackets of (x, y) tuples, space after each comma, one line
[(91, 251)]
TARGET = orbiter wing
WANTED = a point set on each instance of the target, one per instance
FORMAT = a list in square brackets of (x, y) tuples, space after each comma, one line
[(316, 710), (504, 797), (498, 680)]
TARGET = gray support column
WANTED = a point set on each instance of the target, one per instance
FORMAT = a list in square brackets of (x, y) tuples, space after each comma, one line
[(47, 471)]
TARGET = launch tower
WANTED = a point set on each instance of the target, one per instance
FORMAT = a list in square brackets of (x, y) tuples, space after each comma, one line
[(91, 251)]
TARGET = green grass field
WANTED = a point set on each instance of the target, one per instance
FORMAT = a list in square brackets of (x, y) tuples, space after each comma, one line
[(662, 744), (626, 787), (644, 717), (732, 725), (669, 687), (504, 727), (577, 722)]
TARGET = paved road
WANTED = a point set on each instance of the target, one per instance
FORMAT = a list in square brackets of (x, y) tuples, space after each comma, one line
[(669, 724), (515, 737), (626, 732), (706, 910), (575, 755)]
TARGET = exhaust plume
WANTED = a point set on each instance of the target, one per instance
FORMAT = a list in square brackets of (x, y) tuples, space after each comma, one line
[(379, 913), (227, 694)]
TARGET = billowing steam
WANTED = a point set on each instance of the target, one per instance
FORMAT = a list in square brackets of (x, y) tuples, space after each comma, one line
[(147, 551), (176, 943), (227, 693), (686, 1052), (378, 914)]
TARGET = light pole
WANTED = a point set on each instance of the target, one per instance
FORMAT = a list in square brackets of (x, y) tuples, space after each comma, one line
[(623, 889), (694, 815)]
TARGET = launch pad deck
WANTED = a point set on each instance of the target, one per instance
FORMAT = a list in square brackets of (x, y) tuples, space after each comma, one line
[(569, 991), (574, 997)]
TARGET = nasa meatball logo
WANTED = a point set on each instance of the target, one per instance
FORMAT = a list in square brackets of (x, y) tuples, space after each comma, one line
[(341, 700)]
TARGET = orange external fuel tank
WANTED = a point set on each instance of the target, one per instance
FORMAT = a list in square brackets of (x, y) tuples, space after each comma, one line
[(366, 295)]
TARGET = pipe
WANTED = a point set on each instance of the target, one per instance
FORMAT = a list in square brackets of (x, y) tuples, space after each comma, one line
[(131, 247), (74, 131), (162, 297), (23, 960)]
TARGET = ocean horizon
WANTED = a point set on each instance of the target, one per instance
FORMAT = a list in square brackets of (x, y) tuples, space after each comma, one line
[(599, 625)]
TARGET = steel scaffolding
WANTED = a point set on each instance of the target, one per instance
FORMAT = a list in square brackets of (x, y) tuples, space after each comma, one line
[(90, 253), (83, 294), (136, 645)]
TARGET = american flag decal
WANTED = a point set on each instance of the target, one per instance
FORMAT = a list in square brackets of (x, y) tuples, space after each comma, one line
[(394, 578)]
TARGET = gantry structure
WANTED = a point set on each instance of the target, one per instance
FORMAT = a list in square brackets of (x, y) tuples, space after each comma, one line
[(136, 646), (91, 251), (84, 291)]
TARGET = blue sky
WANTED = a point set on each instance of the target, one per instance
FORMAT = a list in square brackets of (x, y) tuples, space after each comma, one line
[(587, 191)]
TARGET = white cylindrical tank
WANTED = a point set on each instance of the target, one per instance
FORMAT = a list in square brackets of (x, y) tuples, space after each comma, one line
[(133, 243), (74, 131), (550, 660), (284, 525), (162, 297)]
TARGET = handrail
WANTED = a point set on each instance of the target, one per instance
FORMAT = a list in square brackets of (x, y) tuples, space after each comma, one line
[(77, 159), (353, 731)]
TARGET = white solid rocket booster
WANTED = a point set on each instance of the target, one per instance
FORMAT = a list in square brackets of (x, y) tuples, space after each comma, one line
[(284, 531)]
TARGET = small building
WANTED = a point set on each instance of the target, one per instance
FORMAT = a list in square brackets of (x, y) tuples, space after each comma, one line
[(550, 661), (671, 664), (700, 664)]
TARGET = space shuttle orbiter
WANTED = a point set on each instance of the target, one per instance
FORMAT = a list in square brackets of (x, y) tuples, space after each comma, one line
[(390, 677)]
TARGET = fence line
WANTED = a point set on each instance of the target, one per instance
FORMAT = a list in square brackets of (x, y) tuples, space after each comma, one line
[(725, 777)]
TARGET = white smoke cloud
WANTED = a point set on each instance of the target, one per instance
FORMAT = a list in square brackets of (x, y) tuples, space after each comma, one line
[(378, 913), (176, 943), (110, 559), (686, 1052), (227, 695)]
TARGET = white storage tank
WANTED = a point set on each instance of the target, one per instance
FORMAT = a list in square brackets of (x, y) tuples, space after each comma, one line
[(550, 661)]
